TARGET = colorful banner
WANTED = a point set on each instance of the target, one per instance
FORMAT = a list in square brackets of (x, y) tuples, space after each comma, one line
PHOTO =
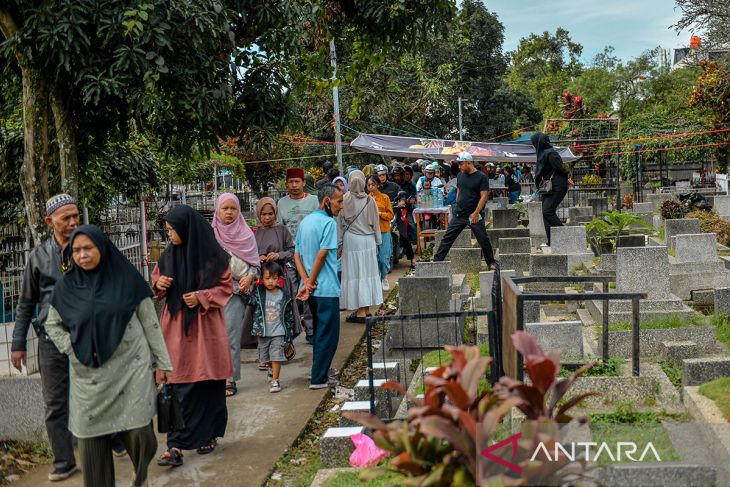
[(393, 146)]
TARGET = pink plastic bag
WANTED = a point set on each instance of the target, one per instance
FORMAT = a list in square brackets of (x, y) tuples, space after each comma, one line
[(366, 451)]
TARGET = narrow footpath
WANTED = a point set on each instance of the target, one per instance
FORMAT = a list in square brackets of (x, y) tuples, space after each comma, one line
[(261, 425)]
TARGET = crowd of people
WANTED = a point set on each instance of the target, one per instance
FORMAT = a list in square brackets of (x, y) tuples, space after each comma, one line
[(225, 286)]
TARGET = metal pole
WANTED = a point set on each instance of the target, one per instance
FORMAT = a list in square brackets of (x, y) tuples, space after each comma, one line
[(636, 321), (86, 214), (604, 328), (336, 102), (143, 239), (461, 127)]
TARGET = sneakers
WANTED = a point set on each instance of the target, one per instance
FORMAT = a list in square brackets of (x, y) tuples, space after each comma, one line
[(58, 474), (319, 386), (386, 284), (275, 386)]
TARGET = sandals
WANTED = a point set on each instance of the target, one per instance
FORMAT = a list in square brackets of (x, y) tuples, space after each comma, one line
[(171, 458), (209, 448), (353, 318), (263, 366), (231, 389)]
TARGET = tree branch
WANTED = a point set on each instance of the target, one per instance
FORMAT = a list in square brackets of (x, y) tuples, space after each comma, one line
[(7, 24)]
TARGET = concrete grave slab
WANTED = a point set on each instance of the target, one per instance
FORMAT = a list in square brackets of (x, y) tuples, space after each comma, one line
[(697, 371), (515, 245), (536, 225), (548, 265), (722, 205), (564, 335), (681, 226), (434, 269), (504, 218)]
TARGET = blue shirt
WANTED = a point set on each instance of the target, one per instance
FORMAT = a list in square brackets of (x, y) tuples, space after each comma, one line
[(318, 231)]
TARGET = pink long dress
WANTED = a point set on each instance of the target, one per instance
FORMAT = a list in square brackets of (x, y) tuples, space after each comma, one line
[(204, 353)]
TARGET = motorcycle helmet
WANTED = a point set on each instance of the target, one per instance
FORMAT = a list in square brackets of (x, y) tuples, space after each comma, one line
[(381, 169), (397, 168)]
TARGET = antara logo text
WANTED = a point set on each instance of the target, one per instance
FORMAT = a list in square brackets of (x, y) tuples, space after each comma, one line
[(589, 450)]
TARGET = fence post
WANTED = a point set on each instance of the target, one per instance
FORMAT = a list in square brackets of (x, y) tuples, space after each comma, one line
[(635, 356), (143, 238)]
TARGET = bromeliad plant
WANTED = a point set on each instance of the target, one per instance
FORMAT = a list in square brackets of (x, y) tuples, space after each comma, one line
[(606, 229), (442, 441)]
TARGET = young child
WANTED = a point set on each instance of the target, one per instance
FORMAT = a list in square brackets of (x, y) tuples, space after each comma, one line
[(273, 320)]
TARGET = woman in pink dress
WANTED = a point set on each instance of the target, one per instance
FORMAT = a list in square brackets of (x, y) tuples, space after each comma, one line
[(194, 277)]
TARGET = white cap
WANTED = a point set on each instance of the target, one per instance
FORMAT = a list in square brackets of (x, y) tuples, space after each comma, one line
[(464, 156)]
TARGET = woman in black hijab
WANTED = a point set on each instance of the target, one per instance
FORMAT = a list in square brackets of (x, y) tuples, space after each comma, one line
[(103, 318), (194, 277), (550, 167)]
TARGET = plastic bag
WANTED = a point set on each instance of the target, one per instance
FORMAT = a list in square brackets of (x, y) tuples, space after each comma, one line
[(366, 451)]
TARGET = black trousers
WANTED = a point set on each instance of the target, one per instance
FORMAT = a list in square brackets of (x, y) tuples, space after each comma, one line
[(97, 462), (550, 205), (404, 238), (456, 225), (53, 367)]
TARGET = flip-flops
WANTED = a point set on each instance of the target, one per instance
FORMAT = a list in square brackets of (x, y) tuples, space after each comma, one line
[(171, 458)]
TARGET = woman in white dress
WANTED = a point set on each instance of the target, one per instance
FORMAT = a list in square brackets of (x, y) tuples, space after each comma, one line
[(359, 232)]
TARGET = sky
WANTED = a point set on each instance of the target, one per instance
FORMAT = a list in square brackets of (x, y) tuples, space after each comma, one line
[(630, 26)]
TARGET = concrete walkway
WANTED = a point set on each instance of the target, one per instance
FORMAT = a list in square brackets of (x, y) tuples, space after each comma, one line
[(261, 426)]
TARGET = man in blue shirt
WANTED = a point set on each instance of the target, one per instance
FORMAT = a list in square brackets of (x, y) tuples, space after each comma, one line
[(315, 256)]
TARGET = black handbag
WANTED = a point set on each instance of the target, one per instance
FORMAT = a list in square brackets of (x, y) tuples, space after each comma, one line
[(169, 412)]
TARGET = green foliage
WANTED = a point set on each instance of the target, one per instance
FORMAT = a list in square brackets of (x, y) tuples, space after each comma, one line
[(608, 368), (673, 321), (543, 65), (719, 391), (11, 149), (625, 413), (447, 429), (591, 181), (673, 372), (607, 228), (350, 479), (721, 323), (711, 222), (673, 209)]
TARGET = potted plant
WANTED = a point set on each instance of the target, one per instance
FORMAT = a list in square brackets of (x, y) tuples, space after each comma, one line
[(611, 229)]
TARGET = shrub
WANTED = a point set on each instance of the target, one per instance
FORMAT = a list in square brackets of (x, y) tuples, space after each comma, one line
[(710, 222), (441, 442), (673, 209), (591, 181)]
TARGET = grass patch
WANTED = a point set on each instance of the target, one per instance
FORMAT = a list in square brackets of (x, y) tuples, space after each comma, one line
[(596, 260), (673, 321), (579, 286), (672, 252), (608, 368), (473, 280), (719, 391), (350, 479), (722, 325), (612, 285), (437, 358), (626, 424), (18, 457), (673, 372)]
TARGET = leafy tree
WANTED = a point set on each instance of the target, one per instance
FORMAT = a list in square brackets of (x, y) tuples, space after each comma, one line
[(712, 93), (543, 65), (711, 17), (182, 73)]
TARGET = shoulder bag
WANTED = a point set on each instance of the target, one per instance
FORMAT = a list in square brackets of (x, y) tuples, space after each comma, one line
[(546, 186)]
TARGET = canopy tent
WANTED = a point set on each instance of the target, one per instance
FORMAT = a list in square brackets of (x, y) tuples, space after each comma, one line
[(446, 150)]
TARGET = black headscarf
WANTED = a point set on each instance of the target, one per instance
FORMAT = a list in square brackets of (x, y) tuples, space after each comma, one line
[(197, 263), (543, 148), (96, 305)]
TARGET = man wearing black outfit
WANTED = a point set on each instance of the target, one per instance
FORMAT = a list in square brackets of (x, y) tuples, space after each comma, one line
[(472, 192)]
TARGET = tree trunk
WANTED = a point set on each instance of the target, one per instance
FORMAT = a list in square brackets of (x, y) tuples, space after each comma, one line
[(34, 172), (66, 139)]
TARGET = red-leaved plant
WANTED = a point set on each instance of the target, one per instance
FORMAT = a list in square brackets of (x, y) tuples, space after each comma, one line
[(442, 440)]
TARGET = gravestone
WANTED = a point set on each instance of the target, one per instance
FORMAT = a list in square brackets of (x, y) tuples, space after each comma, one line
[(434, 269), (722, 300), (564, 335), (501, 202), (682, 186), (722, 205), (486, 281), (415, 333), (420, 295), (599, 205), (701, 247), (697, 266), (463, 240), (642, 270), (465, 260), (497, 234), (571, 241), (658, 198), (514, 246), (536, 225), (520, 263), (576, 212), (647, 207), (697, 371), (548, 265), (680, 226), (504, 218)]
